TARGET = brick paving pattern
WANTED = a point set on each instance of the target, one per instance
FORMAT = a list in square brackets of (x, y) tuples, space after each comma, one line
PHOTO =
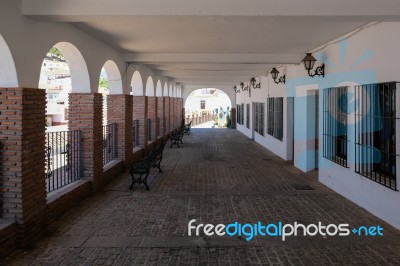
[(218, 176)]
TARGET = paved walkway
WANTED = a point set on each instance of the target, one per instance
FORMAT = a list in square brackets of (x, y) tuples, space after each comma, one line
[(218, 176)]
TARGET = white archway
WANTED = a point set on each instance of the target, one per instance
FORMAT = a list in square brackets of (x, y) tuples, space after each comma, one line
[(8, 73), (174, 92), (80, 81), (215, 98), (170, 91), (159, 89), (137, 84), (149, 87), (113, 77), (178, 92), (165, 93)]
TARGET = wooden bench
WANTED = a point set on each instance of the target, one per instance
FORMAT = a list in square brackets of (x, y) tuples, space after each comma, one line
[(186, 128), (142, 167), (176, 138)]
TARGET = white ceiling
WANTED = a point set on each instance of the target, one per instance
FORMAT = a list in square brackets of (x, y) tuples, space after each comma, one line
[(212, 43)]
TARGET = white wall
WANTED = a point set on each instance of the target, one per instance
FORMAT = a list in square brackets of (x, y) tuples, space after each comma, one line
[(369, 56)]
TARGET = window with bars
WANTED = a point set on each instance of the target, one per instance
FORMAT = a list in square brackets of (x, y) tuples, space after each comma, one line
[(242, 114), (248, 115), (203, 104), (375, 117), (238, 114), (334, 131), (275, 117), (259, 118)]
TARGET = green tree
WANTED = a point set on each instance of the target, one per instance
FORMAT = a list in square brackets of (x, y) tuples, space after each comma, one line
[(55, 53), (103, 83)]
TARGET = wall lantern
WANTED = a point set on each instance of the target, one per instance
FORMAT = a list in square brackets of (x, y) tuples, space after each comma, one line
[(275, 73), (309, 62), (244, 88), (254, 83)]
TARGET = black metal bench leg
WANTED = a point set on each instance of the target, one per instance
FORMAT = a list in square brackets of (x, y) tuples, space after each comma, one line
[(159, 166), (133, 182), (145, 181)]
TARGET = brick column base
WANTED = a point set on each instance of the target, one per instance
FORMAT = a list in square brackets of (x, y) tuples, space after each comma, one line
[(23, 184), (140, 106), (167, 108), (120, 112), (152, 114), (86, 114)]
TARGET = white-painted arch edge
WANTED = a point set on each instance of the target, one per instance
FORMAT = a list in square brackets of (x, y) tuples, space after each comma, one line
[(113, 77), (8, 72)]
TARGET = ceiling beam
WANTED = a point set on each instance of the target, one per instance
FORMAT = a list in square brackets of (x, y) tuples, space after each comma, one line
[(87, 8), (159, 58)]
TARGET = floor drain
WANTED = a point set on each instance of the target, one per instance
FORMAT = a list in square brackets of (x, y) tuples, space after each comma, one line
[(302, 187)]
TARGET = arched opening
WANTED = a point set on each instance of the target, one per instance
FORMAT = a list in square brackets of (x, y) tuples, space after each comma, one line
[(208, 107), (63, 71), (104, 89), (174, 92), (165, 93), (179, 92), (114, 77), (170, 94), (137, 84), (110, 82), (149, 87), (8, 73), (55, 78), (159, 89)]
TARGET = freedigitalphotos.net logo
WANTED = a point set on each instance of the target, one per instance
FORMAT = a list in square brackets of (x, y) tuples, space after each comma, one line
[(279, 229)]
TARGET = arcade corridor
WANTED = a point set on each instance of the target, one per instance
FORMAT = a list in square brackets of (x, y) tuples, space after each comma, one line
[(218, 176)]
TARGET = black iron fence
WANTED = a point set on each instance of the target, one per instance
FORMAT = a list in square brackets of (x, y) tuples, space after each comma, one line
[(135, 133), (109, 143), (63, 158)]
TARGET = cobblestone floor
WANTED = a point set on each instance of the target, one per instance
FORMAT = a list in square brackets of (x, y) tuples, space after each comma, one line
[(218, 176)]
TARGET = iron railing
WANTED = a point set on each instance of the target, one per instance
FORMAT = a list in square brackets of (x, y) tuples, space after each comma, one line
[(135, 133), (109, 143), (63, 158), (149, 132)]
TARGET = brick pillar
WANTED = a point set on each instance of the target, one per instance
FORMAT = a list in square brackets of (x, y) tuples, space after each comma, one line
[(120, 111), (183, 116), (161, 114), (181, 111), (171, 114), (151, 114), (23, 184), (140, 105), (175, 113), (233, 117), (86, 115), (167, 104)]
